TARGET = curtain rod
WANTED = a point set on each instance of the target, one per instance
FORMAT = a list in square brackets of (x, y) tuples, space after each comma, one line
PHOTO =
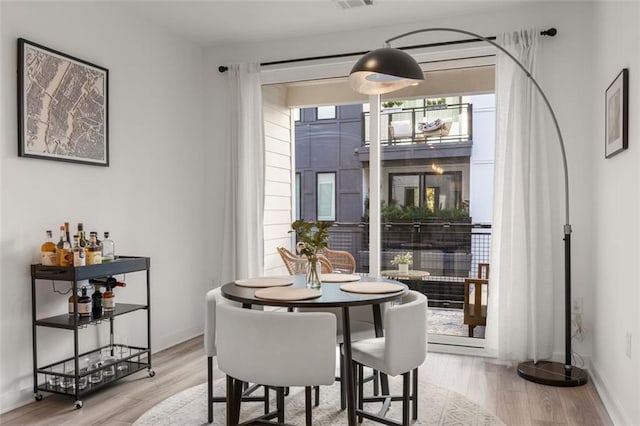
[(551, 32)]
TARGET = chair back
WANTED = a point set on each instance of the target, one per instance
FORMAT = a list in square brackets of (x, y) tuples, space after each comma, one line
[(405, 331), (298, 265), (276, 348), (342, 261), (212, 299)]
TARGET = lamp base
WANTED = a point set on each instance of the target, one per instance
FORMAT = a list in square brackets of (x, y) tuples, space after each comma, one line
[(552, 374)]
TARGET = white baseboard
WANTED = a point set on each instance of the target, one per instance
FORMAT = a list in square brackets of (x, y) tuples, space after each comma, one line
[(615, 411)]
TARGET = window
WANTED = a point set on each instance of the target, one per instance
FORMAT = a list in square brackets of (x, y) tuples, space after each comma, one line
[(296, 114), (435, 191), (326, 193), (326, 112)]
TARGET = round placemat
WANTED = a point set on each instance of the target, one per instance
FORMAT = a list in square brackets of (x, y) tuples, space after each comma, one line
[(260, 282), (339, 278), (287, 293), (371, 287)]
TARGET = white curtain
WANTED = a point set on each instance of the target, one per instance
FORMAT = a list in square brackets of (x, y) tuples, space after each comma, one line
[(521, 306), (243, 254)]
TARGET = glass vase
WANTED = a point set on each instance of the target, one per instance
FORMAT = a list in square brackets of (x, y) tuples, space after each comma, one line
[(313, 273)]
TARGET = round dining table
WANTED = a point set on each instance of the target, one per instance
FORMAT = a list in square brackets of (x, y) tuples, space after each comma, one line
[(332, 296)]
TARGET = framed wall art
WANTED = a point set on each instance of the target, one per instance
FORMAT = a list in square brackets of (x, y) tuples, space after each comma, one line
[(617, 115), (62, 106)]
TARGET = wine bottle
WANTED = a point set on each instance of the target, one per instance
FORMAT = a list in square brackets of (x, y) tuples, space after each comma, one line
[(82, 239), (108, 249), (96, 301), (63, 249), (48, 252)]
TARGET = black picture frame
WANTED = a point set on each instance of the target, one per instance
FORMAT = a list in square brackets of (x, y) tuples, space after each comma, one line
[(63, 106), (616, 137)]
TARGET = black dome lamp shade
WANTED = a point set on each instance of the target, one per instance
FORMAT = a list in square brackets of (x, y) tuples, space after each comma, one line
[(384, 70)]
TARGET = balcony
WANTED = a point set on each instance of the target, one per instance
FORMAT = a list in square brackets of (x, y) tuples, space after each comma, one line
[(434, 131)]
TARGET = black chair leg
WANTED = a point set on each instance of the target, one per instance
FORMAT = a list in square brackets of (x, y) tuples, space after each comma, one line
[(415, 394), (266, 399), (317, 399), (360, 392), (343, 395), (210, 389), (307, 404), (405, 398), (280, 404)]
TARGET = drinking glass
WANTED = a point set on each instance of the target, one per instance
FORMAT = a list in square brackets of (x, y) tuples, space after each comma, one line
[(94, 364), (108, 361), (122, 352)]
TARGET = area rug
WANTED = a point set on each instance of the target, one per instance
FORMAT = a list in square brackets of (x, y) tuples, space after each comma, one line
[(437, 406)]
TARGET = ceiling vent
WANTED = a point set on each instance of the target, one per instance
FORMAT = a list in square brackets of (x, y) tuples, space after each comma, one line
[(350, 4)]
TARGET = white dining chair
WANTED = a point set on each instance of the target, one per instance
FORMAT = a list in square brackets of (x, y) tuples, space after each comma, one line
[(213, 299), (401, 351), (277, 349), (362, 326)]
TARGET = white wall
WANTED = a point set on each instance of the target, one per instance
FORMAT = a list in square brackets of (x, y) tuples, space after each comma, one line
[(150, 198), (616, 231), (604, 262), (482, 158)]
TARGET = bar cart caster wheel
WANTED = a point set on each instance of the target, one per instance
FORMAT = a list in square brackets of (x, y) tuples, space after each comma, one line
[(78, 405), (38, 396), (152, 373)]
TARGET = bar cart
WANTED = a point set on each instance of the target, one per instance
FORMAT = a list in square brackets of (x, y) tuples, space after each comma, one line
[(72, 376)]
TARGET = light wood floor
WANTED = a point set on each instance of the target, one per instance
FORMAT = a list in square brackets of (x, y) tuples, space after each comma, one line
[(496, 388)]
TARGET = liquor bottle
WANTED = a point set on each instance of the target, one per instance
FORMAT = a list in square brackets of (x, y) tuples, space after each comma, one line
[(79, 255), (84, 304), (72, 308), (108, 299), (82, 240), (108, 249), (48, 252), (94, 253), (63, 249), (96, 300), (66, 231)]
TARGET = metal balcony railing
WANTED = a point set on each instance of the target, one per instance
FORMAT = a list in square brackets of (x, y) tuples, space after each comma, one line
[(429, 124)]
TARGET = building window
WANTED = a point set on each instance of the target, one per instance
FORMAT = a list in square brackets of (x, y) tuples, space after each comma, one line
[(296, 197), (433, 191), (326, 193), (296, 114), (326, 112)]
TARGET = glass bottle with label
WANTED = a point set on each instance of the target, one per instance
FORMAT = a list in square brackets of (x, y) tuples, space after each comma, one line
[(94, 253), (108, 299), (96, 299), (82, 238), (79, 255), (72, 300), (48, 251), (108, 249), (63, 249), (84, 304)]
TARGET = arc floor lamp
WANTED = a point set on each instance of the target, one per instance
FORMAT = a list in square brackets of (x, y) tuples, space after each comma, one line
[(388, 69)]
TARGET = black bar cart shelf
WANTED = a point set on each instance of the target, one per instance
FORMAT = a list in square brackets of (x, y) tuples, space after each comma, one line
[(66, 377)]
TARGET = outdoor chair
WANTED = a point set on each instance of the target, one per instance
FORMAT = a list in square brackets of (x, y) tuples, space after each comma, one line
[(476, 293), (298, 264), (341, 261)]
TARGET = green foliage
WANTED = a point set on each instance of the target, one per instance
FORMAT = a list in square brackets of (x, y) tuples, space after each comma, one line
[(393, 211), (311, 241), (403, 258), (391, 104)]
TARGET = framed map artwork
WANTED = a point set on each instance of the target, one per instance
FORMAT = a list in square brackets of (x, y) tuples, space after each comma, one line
[(62, 106)]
